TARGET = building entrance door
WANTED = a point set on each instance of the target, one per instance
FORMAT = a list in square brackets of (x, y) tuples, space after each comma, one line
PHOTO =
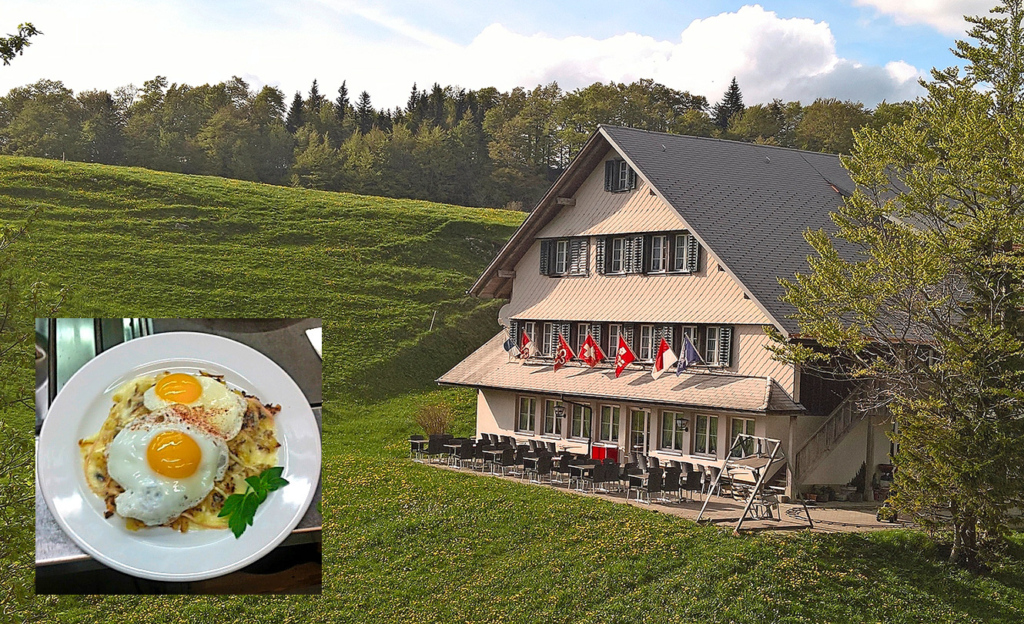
[(638, 420)]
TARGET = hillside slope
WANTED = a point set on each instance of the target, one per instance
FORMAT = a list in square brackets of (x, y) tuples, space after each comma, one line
[(402, 541)]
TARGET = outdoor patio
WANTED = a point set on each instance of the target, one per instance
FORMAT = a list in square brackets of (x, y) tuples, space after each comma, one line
[(721, 510)]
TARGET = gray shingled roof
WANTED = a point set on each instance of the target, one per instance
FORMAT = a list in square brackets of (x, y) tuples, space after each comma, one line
[(750, 204)]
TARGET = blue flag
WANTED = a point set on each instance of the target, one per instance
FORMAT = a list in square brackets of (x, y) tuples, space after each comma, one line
[(510, 346), (689, 356)]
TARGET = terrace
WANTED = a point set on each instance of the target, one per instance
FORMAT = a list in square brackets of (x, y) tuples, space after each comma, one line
[(722, 499)]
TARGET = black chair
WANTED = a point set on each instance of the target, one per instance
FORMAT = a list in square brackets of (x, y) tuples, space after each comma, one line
[(693, 484), (625, 473), (507, 440), (552, 448), (641, 461), (652, 486), (435, 445), (541, 467), (465, 453), (672, 483), (652, 462), (507, 460), (566, 458)]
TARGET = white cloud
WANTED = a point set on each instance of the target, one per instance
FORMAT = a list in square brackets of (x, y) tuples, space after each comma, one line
[(108, 43), (944, 15)]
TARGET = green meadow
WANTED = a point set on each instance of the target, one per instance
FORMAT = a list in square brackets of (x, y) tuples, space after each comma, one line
[(405, 542)]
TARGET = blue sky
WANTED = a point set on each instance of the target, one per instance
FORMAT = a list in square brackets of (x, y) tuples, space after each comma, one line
[(865, 50)]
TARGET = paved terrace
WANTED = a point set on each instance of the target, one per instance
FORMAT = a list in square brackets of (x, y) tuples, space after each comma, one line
[(725, 511)]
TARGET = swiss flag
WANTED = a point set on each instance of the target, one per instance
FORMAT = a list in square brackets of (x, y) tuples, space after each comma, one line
[(590, 352), (564, 353), (623, 356), (664, 360)]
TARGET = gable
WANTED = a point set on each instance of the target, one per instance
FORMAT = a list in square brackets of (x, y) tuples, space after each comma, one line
[(599, 212)]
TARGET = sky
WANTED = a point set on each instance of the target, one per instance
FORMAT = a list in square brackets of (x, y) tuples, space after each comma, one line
[(862, 50)]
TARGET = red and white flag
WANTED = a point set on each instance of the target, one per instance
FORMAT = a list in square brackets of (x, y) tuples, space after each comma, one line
[(591, 353), (564, 353), (623, 356), (527, 350), (664, 360)]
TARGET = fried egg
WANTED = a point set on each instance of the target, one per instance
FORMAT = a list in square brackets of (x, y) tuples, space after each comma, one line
[(166, 461), (220, 407)]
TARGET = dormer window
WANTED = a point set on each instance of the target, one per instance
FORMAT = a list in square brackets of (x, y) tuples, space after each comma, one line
[(618, 176)]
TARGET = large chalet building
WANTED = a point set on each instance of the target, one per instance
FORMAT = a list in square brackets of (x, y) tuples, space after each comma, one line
[(648, 236)]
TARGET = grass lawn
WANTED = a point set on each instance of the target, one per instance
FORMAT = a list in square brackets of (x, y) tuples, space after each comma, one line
[(405, 542)]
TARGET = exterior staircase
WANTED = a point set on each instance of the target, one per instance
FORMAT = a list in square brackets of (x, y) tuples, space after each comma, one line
[(839, 423)]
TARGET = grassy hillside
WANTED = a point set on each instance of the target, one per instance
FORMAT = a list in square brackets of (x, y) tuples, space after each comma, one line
[(405, 542)]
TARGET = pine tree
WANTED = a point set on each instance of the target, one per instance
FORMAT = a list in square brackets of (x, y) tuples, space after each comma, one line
[(731, 104), (365, 115), (294, 120), (315, 100), (341, 103)]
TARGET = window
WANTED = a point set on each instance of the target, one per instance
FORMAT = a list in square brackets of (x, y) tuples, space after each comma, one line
[(548, 340), (705, 436), (579, 425), (561, 257), (673, 426), (618, 256), (609, 423), (711, 346), (529, 329), (682, 260), (581, 335), (527, 421), (638, 430), (742, 426), (659, 254), (690, 331), (614, 331), (646, 352), (718, 345), (552, 424), (564, 256), (618, 176)]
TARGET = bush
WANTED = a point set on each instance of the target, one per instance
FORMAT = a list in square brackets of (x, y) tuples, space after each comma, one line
[(435, 418)]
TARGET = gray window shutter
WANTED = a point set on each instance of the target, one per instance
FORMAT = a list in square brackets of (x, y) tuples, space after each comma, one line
[(692, 254), (627, 333), (632, 178), (599, 254), (655, 340), (566, 330), (513, 332), (578, 248), (610, 171), (637, 254), (595, 332), (725, 346), (545, 257), (668, 335)]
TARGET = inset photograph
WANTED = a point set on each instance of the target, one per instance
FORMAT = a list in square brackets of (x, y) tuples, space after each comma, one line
[(178, 456)]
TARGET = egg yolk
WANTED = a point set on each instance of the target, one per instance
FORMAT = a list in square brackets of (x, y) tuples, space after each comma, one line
[(173, 454), (179, 388)]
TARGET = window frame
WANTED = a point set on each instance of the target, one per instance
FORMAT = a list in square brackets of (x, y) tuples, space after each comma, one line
[(582, 331), (650, 344), (614, 423), (549, 418), (583, 414), (621, 241), (680, 258), (710, 433), (711, 352), (546, 346), (561, 259), (613, 346), (532, 430), (675, 442), (749, 423), (659, 258)]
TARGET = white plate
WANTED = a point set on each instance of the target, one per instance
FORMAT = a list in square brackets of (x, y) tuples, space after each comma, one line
[(160, 553)]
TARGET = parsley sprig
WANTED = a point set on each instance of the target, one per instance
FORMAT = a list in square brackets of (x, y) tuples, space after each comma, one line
[(242, 507)]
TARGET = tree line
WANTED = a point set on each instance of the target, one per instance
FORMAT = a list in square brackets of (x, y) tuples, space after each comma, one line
[(447, 144)]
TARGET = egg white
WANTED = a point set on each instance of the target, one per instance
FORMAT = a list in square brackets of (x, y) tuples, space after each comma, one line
[(149, 496), (222, 408)]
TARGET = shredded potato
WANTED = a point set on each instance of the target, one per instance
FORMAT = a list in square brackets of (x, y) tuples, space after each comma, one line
[(251, 452)]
